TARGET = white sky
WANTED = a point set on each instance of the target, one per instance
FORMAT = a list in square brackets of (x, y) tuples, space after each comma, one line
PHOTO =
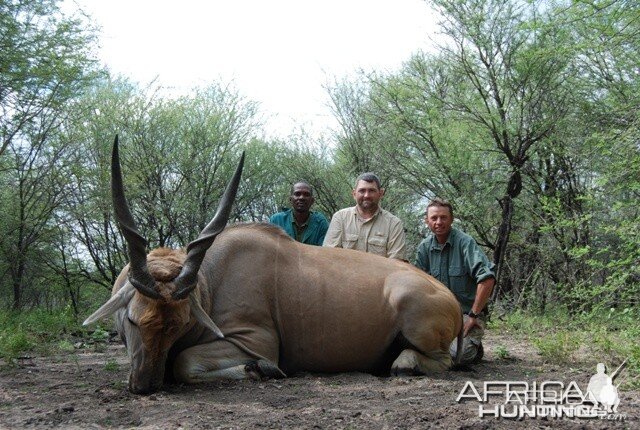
[(279, 53)]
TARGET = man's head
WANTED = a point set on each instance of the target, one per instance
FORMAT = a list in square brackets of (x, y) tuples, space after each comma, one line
[(301, 197), (368, 192), (439, 217)]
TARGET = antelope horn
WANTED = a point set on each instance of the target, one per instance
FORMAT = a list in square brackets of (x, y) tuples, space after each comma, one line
[(186, 280), (139, 275)]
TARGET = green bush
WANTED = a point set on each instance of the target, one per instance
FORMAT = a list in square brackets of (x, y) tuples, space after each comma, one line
[(100, 335), (111, 365), (610, 335), (66, 345), (36, 331), (557, 348), (13, 345), (502, 352)]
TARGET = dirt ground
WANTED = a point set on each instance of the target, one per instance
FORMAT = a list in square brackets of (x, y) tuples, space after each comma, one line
[(88, 389)]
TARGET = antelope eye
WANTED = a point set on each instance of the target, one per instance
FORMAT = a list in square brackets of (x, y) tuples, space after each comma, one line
[(131, 322)]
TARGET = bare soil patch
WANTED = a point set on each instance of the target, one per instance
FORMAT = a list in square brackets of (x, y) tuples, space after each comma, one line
[(88, 389)]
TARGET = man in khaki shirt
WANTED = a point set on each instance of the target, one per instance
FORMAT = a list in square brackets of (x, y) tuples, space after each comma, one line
[(366, 226)]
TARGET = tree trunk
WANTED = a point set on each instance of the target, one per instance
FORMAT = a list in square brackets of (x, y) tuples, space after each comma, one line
[(17, 276), (514, 188)]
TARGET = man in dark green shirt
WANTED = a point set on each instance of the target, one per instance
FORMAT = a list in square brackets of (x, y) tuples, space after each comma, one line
[(455, 259), (301, 223)]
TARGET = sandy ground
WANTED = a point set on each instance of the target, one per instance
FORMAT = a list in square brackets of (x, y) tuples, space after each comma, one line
[(88, 389)]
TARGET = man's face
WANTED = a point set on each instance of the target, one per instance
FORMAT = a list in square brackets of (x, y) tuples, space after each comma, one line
[(301, 199), (367, 195), (439, 220)]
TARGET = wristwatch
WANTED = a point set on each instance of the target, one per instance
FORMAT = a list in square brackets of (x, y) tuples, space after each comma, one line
[(472, 314)]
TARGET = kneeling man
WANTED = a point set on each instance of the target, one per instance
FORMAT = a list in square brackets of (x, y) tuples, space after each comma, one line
[(455, 259)]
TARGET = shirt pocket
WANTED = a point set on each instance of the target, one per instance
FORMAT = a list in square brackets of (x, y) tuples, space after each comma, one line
[(377, 245), (460, 283), (350, 241)]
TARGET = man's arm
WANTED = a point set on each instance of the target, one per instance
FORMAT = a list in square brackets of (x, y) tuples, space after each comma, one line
[(333, 238), (322, 229), (482, 272), (422, 260), (483, 292), (277, 219), (396, 244)]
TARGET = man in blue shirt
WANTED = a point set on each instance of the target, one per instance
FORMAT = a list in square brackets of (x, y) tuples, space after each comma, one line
[(455, 259), (300, 222)]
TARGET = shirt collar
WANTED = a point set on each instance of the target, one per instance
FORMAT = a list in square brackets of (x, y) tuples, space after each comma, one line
[(306, 223), (293, 219), (434, 240), (354, 211)]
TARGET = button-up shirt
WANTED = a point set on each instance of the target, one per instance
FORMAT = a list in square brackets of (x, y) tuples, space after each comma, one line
[(459, 264), (383, 234), (313, 230)]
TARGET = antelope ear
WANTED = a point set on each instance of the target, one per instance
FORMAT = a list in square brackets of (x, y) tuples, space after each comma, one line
[(119, 300), (202, 317)]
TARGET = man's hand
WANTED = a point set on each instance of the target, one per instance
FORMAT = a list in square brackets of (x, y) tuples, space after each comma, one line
[(483, 292), (469, 324)]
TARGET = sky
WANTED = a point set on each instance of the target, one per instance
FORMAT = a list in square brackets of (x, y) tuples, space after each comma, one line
[(279, 53)]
